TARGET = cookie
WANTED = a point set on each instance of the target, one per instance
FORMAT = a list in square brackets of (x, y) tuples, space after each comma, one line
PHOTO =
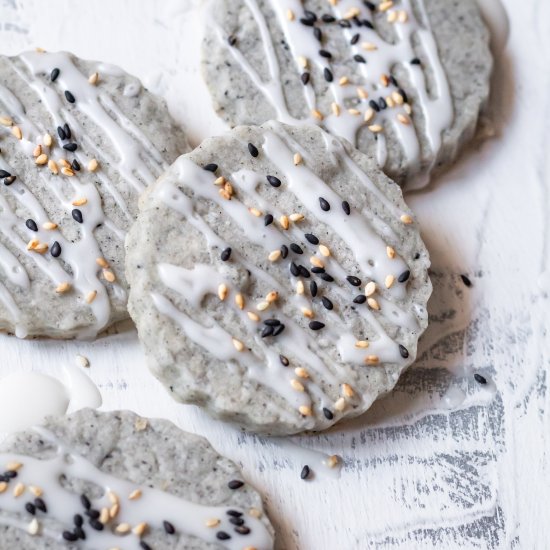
[(277, 279), (79, 141), (403, 80), (115, 480)]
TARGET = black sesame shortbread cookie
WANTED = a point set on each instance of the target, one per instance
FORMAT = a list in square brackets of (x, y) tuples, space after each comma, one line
[(403, 80), (79, 141), (114, 480), (277, 279)]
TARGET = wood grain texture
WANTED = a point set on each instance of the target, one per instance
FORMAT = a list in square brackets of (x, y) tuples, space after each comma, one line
[(442, 462)]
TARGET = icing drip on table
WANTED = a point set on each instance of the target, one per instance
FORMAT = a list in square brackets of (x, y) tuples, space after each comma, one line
[(128, 511), (367, 97), (290, 305), (72, 265)]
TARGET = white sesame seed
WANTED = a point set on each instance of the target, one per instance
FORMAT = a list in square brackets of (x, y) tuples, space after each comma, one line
[(297, 159), (340, 404), (135, 494), (82, 361), (274, 255), (222, 291), (214, 522), (296, 385), (373, 304), (361, 344), (390, 279), (33, 527), (305, 410), (370, 288), (239, 346), (262, 306)]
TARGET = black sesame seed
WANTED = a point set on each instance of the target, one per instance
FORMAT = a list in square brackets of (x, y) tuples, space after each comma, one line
[(313, 288), (311, 238), (9, 180), (71, 537), (253, 150), (72, 147), (316, 325), (236, 521), (346, 208), (324, 204), (295, 248), (40, 505), (480, 379), (54, 74), (232, 40), (359, 58), (393, 80), (327, 303), (267, 331), (222, 535), (382, 103), (327, 73), (85, 501), (305, 78), (357, 21), (55, 250), (417, 256), (225, 255), (360, 299), (274, 181), (318, 270), (278, 329), (268, 219), (234, 513), (370, 5), (344, 23), (67, 130), (327, 18), (326, 54), (304, 474), (272, 322), (368, 24), (284, 361), (144, 545), (242, 530), (78, 520), (304, 272), (307, 22), (96, 524), (77, 215), (310, 15), (328, 413), (4, 174), (374, 105), (355, 281), (31, 224), (10, 474), (404, 277), (404, 95), (168, 527), (415, 61), (294, 269), (92, 513), (466, 280), (235, 484), (326, 277), (31, 508), (75, 165), (210, 167), (355, 39), (79, 532), (284, 251), (69, 96), (403, 351), (61, 133), (318, 34)]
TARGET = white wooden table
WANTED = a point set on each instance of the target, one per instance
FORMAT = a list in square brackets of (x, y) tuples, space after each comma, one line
[(443, 461)]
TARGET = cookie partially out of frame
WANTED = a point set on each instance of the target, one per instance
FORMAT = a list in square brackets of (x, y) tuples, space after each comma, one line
[(115, 480), (403, 80), (79, 141), (277, 279)]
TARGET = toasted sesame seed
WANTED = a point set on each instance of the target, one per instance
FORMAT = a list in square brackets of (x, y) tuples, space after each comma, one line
[(347, 390), (6, 121), (14, 466), (305, 411), (80, 201), (406, 219), (16, 131), (298, 386), (93, 165), (391, 16), (324, 250), (36, 491), (62, 288), (317, 262), (407, 108), (370, 288), (239, 346), (361, 344), (37, 151), (297, 159), (284, 221), (91, 296), (373, 304), (222, 291), (3, 486), (253, 316), (274, 255), (403, 16), (296, 217), (340, 404), (390, 279), (306, 312), (52, 165), (404, 119), (317, 114), (109, 276), (18, 490), (214, 522), (300, 287), (41, 248), (140, 529), (290, 15), (375, 128), (239, 300), (93, 79), (272, 297), (369, 46), (372, 360), (67, 171), (354, 112), (362, 93), (344, 81), (123, 528), (385, 5), (301, 372), (49, 226), (390, 251)]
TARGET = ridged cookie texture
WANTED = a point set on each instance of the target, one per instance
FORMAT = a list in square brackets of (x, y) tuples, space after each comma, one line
[(115, 480), (79, 141), (277, 279), (403, 80)]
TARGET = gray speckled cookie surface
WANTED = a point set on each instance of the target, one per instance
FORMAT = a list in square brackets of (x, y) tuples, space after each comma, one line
[(257, 54), (282, 303), (79, 141), (148, 454)]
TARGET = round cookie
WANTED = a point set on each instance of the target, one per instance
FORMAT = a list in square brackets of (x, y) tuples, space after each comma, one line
[(115, 480), (277, 279), (79, 141), (403, 80)]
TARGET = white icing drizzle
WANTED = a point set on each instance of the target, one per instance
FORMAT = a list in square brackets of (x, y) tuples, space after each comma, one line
[(131, 155), (153, 506), (347, 115), (260, 358)]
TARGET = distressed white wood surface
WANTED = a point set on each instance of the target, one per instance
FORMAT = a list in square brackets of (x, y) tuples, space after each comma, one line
[(442, 461)]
